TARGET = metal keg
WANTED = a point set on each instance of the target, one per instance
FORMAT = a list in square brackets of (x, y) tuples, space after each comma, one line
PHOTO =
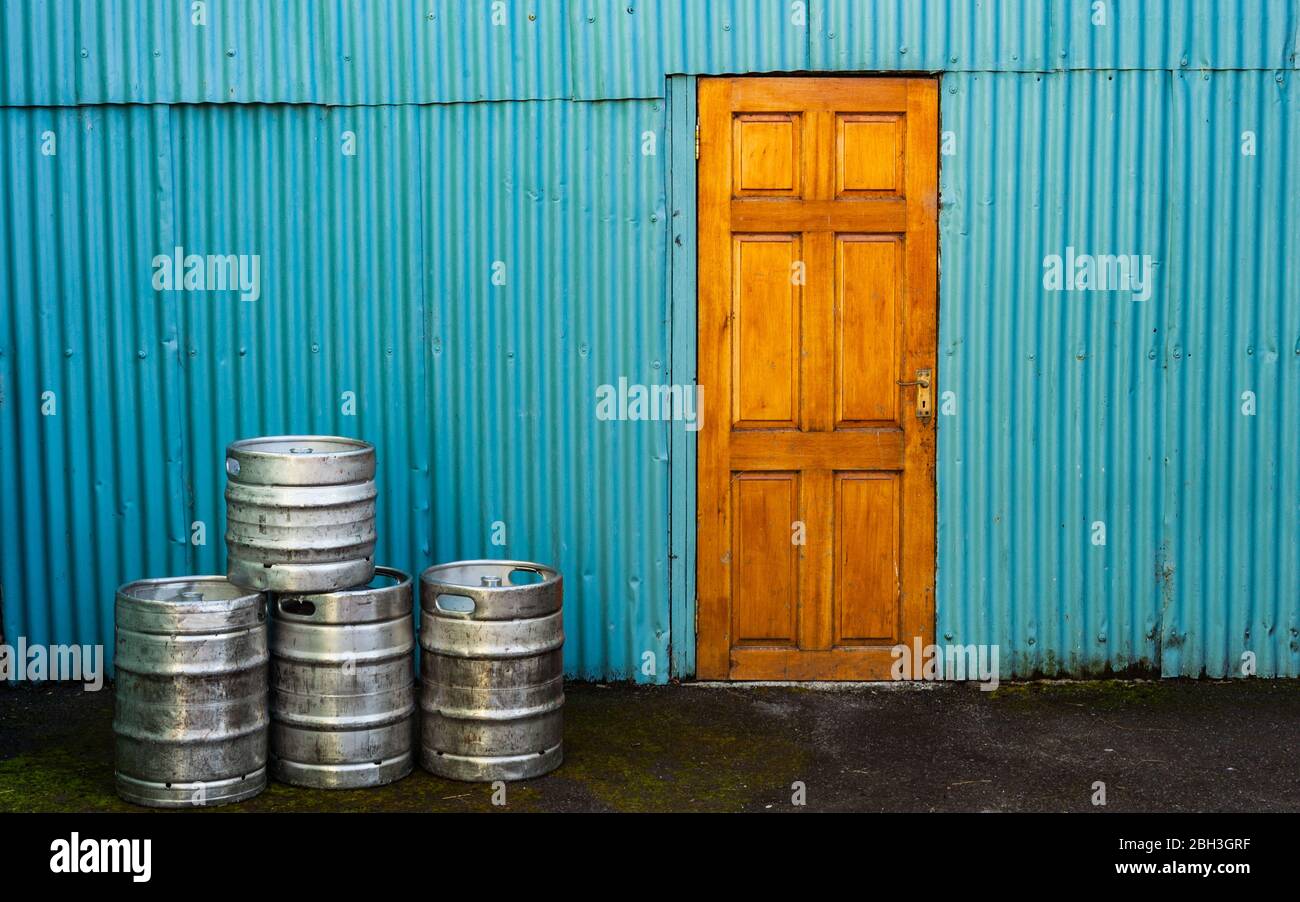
[(300, 513), (492, 670), (191, 696), (343, 685)]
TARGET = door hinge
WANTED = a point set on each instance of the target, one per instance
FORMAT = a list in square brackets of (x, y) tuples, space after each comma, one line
[(697, 137)]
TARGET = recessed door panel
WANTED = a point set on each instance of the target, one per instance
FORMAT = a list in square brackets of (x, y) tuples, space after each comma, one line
[(765, 331), (867, 519), (868, 327), (766, 575), (766, 155)]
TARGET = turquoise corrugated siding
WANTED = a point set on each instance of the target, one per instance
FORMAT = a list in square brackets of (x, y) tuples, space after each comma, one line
[(1179, 34), (1070, 409), (956, 35), (1232, 515), (1078, 408), (67, 52), (376, 280), (1048, 35), (61, 52), (624, 49), (1058, 398)]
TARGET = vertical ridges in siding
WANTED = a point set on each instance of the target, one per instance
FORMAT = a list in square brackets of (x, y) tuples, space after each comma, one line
[(1058, 418), (1083, 406), (441, 51), (1235, 495), (93, 491), (342, 304), (514, 368), (1071, 407), (65, 52)]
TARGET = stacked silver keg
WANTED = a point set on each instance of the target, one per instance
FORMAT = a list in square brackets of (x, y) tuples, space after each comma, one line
[(300, 523), (191, 713), (492, 669), (300, 513), (195, 701), (343, 685)]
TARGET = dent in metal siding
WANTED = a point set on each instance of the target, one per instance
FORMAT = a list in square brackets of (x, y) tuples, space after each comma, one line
[(624, 49), (1079, 408), (376, 275), (63, 52)]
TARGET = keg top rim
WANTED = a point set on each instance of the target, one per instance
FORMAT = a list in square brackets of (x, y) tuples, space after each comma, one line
[(183, 590), (441, 573), (301, 446)]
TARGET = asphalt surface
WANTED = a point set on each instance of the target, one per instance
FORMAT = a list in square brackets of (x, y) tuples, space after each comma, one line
[(1156, 745)]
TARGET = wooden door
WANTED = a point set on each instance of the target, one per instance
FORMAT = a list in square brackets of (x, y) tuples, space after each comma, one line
[(818, 202)]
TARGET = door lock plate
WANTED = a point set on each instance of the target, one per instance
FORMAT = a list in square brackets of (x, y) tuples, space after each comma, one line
[(924, 401), (924, 393)]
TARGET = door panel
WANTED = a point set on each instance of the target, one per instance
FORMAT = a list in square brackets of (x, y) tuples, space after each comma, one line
[(765, 335), (866, 558), (870, 154), (867, 321), (767, 161), (765, 589), (817, 298)]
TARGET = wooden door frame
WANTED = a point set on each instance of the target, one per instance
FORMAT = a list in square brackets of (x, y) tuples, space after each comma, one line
[(682, 169)]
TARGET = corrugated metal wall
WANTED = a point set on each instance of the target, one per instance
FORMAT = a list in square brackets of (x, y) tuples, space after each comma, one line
[(376, 279), (1078, 408), (1069, 409)]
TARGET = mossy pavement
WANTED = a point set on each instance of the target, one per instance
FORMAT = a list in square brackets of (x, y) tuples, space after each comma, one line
[(1158, 745)]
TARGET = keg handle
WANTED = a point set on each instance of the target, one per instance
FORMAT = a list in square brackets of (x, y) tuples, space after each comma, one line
[(464, 605), (297, 607)]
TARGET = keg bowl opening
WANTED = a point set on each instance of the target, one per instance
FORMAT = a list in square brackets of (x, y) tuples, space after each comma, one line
[(492, 574), (385, 580), (181, 591), (524, 577)]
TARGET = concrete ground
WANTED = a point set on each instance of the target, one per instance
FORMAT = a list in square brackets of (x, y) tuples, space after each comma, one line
[(1158, 746)]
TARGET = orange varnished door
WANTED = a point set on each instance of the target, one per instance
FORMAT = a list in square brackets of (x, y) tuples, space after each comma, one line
[(817, 281)]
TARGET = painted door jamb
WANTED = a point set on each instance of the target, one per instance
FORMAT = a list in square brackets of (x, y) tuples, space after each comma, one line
[(682, 370)]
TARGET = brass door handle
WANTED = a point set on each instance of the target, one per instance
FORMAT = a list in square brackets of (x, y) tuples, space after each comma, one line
[(923, 397)]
